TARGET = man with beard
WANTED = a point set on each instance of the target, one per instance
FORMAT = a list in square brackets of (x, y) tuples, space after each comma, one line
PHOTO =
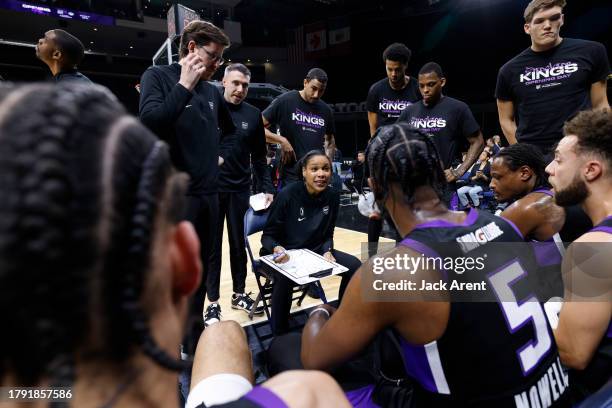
[(581, 173), (183, 109)]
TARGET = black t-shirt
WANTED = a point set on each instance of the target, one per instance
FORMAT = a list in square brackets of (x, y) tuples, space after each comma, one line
[(298, 220), (549, 87), (389, 103), (303, 124), (449, 121), (73, 76), (192, 123), (247, 144)]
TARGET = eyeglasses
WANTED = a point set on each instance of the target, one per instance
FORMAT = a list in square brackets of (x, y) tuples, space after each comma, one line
[(214, 58)]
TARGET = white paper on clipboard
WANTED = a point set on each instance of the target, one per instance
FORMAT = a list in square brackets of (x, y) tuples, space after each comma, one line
[(302, 264)]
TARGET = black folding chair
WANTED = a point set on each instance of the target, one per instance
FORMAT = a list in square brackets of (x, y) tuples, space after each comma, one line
[(254, 222)]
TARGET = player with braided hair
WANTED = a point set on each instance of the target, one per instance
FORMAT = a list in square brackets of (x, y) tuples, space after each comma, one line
[(96, 268), (452, 338)]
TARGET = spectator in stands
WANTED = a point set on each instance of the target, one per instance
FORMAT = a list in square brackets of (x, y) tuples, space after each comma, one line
[(358, 172), (497, 143), (480, 175), (97, 266), (62, 52), (492, 146)]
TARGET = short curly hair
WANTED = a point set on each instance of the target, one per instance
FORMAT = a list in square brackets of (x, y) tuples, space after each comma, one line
[(594, 132)]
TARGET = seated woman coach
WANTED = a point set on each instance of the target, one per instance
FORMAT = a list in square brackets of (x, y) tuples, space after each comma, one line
[(303, 216)]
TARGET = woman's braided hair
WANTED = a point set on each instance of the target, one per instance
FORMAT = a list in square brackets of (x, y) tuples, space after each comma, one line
[(399, 153), (81, 186)]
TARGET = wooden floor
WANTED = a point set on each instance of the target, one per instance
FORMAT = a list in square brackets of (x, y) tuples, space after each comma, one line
[(345, 240)]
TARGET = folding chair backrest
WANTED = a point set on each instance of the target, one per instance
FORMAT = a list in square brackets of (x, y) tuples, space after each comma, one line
[(253, 222)]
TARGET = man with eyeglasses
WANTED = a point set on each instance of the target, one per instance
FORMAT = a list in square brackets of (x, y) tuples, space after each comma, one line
[(183, 109), (549, 82)]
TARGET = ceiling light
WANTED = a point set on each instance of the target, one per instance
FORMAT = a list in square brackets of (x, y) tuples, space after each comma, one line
[(131, 47), (95, 29)]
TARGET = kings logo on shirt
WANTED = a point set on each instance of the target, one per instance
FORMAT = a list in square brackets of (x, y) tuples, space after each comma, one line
[(245, 125), (548, 73), (393, 107), (430, 123), (305, 119)]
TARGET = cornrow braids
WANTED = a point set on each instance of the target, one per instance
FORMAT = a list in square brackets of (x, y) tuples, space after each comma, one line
[(155, 169), (521, 154), (399, 153), (140, 178), (42, 229), (67, 285)]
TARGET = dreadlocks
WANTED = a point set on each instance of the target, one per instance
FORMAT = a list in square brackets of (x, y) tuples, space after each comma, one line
[(82, 185), (521, 154)]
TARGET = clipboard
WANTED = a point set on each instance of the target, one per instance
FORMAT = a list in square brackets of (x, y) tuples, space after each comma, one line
[(304, 266)]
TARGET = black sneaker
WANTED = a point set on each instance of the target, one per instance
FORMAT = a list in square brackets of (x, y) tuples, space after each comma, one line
[(244, 302), (313, 292), (212, 315)]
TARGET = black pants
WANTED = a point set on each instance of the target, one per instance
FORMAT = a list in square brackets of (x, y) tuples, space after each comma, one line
[(233, 206), (203, 212), (354, 185), (283, 289), (375, 226)]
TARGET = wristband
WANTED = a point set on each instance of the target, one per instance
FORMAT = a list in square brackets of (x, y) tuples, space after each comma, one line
[(319, 309)]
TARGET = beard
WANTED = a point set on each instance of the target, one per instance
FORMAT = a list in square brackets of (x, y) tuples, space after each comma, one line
[(573, 194)]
